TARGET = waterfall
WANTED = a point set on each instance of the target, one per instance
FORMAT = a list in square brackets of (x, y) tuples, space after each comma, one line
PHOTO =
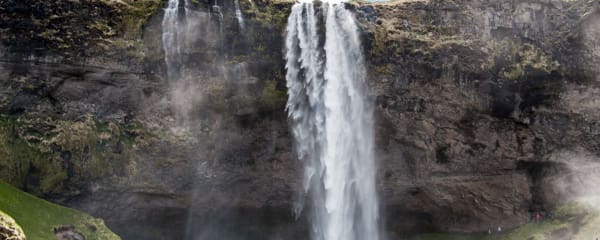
[(238, 14), (332, 121), (172, 36)]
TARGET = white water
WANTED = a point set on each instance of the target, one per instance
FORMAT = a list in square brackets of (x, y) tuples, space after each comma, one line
[(238, 14), (332, 122), (171, 28)]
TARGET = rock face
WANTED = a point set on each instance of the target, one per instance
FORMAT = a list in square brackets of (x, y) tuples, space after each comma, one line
[(486, 112), (472, 107)]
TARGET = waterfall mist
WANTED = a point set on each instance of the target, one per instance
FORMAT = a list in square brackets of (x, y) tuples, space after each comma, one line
[(180, 25), (213, 91), (332, 121), (183, 30)]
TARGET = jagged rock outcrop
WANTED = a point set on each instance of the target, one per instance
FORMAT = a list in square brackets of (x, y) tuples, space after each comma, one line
[(486, 112)]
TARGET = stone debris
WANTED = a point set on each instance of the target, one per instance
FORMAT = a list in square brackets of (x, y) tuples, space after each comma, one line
[(67, 233)]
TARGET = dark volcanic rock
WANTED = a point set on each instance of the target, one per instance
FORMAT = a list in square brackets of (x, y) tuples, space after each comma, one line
[(472, 107)]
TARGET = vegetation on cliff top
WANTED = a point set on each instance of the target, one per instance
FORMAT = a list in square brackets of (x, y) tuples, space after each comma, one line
[(38, 217)]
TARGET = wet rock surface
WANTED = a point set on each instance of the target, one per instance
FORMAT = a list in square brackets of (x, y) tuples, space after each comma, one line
[(483, 108)]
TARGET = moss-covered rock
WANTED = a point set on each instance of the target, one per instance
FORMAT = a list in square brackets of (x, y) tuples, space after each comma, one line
[(272, 14), (17, 154), (74, 29), (50, 156), (9, 229), (273, 98)]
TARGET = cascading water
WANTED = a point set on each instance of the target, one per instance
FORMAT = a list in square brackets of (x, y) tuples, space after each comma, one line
[(238, 14), (332, 121), (171, 36)]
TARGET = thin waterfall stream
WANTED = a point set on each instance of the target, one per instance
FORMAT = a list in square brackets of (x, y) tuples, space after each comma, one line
[(238, 14), (171, 36), (332, 121)]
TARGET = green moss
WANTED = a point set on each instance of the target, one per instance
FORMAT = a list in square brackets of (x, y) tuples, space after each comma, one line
[(515, 73), (272, 98), (274, 14), (62, 155), (16, 154), (534, 230), (379, 45), (38, 217), (135, 14), (521, 58), (571, 210), (95, 148)]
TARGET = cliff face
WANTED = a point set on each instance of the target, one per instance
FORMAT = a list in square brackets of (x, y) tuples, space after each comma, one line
[(486, 112), (476, 104)]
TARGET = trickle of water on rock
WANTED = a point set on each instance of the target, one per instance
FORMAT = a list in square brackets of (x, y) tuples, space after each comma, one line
[(332, 121)]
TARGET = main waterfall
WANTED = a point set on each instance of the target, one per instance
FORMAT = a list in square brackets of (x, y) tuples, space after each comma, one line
[(332, 121)]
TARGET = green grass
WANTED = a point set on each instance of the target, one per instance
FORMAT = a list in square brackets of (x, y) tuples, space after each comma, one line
[(531, 231), (38, 217), (578, 221)]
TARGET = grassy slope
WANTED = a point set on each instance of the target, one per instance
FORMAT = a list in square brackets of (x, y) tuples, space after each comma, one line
[(591, 230), (37, 217), (576, 220), (529, 231)]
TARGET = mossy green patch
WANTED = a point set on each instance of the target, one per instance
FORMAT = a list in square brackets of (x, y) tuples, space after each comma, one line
[(16, 154), (38, 217), (78, 28), (521, 57), (89, 148), (134, 15), (272, 98), (50, 156), (274, 14)]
